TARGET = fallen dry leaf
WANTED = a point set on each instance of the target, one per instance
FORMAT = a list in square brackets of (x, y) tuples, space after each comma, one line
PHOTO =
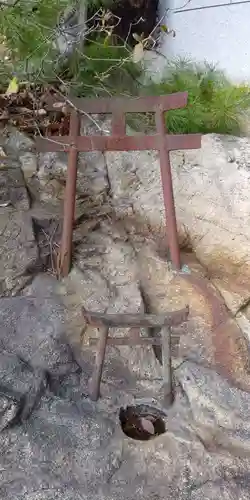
[(13, 87), (58, 105), (138, 52), (41, 112)]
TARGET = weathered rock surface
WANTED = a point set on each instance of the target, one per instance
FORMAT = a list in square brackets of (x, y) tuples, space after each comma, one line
[(224, 423), (21, 388), (12, 187), (18, 249), (20, 256), (15, 142), (212, 203), (136, 192), (73, 448), (109, 282), (206, 337), (28, 165), (33, 328), (137, 199), (91, 174)]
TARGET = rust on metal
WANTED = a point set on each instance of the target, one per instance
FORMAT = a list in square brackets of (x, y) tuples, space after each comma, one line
[(132, 341), (136, 320), (167, 185), (227, 337), (219, 311), (118, 141), (69, 199), (138, 340), (109, 105), (105, 321), (95, 381), (167, 367), (118, 123)]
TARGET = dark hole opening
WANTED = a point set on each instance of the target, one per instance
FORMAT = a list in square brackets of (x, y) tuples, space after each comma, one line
[(142, 422)]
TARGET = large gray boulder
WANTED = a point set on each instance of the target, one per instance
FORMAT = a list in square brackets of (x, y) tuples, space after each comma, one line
[(211, 188)]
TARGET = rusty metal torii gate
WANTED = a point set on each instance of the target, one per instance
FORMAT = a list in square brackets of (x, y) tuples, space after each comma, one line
[(118, 141)]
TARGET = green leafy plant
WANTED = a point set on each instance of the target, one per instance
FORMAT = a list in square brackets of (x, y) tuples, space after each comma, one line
[(28, 31), (28, 25), (106, 66), (214, 103), (98, 67), (103, 69)]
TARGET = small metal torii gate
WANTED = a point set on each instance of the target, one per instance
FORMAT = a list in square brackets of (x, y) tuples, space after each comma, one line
[(119, 141)]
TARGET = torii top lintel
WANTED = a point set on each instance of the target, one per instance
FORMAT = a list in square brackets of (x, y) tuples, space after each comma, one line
[(119, 141)]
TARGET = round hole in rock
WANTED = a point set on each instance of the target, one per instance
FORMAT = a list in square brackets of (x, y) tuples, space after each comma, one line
[(142, 422)]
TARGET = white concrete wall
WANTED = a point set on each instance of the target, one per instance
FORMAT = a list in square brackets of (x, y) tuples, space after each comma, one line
[(220, 35)]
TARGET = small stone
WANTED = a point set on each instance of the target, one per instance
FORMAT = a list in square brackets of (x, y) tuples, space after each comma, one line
[(147, 425), (12, 188), (2, 152), (52, 164), (28, 165), (18, 249), (17, 141), (41, 112), (53, 191)]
